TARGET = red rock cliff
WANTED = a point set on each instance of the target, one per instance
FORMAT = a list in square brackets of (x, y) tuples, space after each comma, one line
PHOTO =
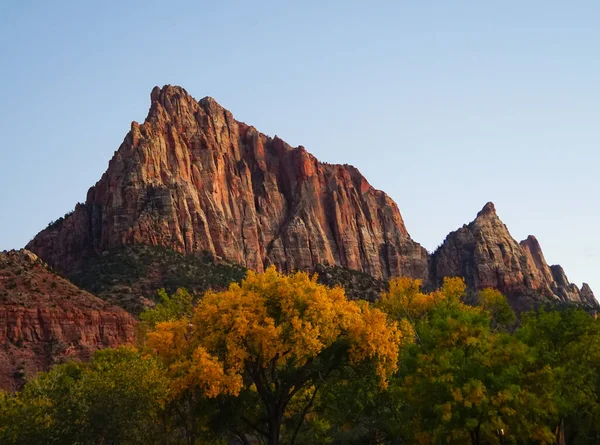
[(485, 253), (45, 319), (193, 178)]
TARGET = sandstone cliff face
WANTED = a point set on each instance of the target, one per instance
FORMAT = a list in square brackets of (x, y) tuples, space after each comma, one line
[(45, 319), (487, 255), (194, 179)]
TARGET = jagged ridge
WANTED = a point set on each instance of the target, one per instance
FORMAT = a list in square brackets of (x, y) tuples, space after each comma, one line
[(485, 253), (193, 179)]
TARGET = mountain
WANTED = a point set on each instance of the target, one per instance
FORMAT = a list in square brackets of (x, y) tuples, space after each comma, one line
[(129, 276), (45, 319), (486, 255), (194, 180)]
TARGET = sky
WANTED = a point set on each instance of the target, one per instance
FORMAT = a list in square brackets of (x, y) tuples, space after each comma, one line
[(443, 105)]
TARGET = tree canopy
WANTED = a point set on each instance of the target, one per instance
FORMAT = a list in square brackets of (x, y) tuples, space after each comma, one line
[(280, 336), (282, 359)]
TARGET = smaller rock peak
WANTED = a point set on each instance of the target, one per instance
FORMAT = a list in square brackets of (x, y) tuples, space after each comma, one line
[(208, 100), (19, 256), (211, 105), (586, 289), (158, 94), (155, 94), (531, 242), (588, 296), (488, 210)]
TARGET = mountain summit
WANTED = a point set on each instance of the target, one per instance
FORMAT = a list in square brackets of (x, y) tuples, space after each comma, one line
[(194, 179), (486, 255)]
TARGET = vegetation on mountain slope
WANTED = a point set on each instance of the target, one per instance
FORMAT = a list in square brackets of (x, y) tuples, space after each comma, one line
[(131, 275)]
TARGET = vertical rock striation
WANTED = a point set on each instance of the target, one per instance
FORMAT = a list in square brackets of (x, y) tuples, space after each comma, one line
[(194, 179)]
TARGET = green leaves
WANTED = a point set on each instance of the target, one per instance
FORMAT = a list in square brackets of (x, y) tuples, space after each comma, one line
[(117, 398), (170, 308), (567, 342)]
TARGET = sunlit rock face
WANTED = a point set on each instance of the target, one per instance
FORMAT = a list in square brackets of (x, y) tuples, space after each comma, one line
[(193, 178)]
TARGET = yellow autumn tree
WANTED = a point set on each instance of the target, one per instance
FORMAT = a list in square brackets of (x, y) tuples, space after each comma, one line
[(280, 336), (405, 300)]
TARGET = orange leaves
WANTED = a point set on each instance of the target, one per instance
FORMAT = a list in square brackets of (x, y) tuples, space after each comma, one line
[(272, 321), (207, 372), (372, 336), (405, 299), (169, 340)]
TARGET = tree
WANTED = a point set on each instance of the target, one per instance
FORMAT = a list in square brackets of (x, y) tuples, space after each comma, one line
[(170, 307), (568, 342), (124, 394), (497, 306), (117, 398), (275, 339), (461, 381)]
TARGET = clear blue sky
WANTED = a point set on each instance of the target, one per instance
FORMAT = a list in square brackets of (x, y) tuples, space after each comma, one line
[(444, 105)]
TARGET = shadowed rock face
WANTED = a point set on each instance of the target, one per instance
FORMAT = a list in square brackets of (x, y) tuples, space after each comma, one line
[(45, 319), (487, 255), (194, 179)]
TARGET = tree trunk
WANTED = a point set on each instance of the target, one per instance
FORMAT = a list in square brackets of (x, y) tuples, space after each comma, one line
[(560, 432), (475, 436), (275, 422), (274, 430)]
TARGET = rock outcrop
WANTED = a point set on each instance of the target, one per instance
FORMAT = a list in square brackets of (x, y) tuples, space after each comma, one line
[(45, 319), (587, 295), (194, 179), (486, 255)]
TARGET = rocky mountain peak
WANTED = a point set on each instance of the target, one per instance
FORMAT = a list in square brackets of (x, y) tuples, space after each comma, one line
[(194, 179), (159, 94), (587, 294), (488, 210), (486, 254)]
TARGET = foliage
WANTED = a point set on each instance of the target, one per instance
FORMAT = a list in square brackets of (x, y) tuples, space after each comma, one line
[(279, 337), (568, 342), (117, 398), (462, 381), (405, 300), (123, 276), (285, 359), (497, 306), (169, 308)]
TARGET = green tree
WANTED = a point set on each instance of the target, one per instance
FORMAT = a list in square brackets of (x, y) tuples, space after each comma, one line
[(568, 342), (169, 308), (461, 381), (116, 399), (503, 317)]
